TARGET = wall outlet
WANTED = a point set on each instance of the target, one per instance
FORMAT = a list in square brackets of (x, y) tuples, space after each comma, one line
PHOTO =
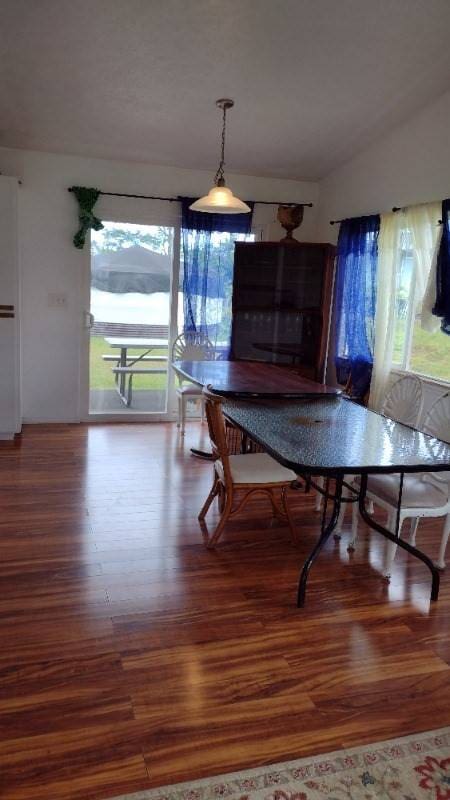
[(57, 300)]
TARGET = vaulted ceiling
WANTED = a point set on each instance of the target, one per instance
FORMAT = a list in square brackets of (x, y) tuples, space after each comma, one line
[(314, 81)]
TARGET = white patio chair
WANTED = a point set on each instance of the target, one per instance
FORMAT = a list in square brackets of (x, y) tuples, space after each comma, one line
[(403, 403), (190, 346), (424, 495)]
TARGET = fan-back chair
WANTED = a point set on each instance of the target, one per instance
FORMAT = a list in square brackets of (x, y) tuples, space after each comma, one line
[(403, 403), (426, 495), (190, 346)]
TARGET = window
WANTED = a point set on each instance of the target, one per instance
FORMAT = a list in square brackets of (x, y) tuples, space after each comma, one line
[(415, 349)]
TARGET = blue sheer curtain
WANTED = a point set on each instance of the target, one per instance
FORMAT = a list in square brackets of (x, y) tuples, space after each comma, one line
[(355, 301), (441, 307), (207, 255)]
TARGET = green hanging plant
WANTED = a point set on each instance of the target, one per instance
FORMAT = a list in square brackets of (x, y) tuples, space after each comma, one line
[(87, 198)]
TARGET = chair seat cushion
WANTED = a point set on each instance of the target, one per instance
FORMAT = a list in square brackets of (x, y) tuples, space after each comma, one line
[(417, 493), (256, 468), (190, 388)]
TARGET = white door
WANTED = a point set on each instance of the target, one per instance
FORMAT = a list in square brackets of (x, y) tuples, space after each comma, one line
[(10, 411)]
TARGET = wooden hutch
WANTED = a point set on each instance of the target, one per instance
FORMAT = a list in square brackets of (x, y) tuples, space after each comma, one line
[(281, 304)]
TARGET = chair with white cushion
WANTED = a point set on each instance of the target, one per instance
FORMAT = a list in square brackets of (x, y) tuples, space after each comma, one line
[(424, 495), (190, 346), (247, 474), (403, 403)]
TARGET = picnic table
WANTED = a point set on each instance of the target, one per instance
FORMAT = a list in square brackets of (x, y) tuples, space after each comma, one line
[(136, 364)]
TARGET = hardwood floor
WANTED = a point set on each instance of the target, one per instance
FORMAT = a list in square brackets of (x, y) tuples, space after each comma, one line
[(131, 656)]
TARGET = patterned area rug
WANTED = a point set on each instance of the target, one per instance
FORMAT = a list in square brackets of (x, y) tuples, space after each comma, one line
[(412, 768)]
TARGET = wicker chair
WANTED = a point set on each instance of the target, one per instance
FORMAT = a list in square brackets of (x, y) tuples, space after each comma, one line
[(247, 473)]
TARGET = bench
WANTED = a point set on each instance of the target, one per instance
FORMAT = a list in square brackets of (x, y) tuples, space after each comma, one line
[(131, 371), (129, 329), (109, 357)]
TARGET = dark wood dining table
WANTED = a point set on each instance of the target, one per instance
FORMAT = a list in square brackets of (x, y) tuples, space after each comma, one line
[(251, 378)]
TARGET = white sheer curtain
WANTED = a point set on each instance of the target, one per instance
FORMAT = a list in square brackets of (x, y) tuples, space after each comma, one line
[(421, 224), (388, 273), (428, 321)]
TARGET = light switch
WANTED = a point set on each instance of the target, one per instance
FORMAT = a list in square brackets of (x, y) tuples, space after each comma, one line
[(57, 300)]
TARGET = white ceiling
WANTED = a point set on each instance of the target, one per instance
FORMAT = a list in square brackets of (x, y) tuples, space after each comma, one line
[(314, 81)]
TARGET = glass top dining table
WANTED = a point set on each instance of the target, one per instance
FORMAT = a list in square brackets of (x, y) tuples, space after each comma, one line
[(331, 435), (334, 437)]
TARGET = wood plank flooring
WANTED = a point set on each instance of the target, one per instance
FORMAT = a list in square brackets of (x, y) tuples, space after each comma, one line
[(131, 657)]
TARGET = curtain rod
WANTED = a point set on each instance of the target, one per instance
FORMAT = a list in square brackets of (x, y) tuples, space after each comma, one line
[(281, 203), (12, 176), (394, 210), (338, 221), (177, 199)]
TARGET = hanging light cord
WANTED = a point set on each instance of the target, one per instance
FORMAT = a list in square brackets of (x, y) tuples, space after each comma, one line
[(219, 179)]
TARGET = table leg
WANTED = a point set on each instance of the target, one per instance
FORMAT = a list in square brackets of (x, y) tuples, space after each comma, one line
[(123, 363), (394, 537), (326, 531)]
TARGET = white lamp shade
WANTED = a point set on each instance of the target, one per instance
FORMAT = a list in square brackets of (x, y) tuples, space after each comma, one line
[(220, 200)]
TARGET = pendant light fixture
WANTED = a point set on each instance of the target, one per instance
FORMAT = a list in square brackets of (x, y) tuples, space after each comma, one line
[(220, 199)]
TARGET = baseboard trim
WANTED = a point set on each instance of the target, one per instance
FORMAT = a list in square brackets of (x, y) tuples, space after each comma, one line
[(44, 421)]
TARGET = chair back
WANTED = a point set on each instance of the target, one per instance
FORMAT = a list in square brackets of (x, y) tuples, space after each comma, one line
[(437, 423), (403, 402), (217, 432), (192, 346)]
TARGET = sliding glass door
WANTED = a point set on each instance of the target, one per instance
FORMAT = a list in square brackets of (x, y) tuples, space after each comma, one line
[(134, 307), (129, 320)]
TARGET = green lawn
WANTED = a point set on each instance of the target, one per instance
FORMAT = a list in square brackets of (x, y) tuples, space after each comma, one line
[(101, 374), (430, 352)]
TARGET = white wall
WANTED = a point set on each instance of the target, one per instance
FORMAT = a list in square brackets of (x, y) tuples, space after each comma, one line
[(50, 264), (411, 165)]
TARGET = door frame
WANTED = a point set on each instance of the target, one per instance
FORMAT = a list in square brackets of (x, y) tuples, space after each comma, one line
[(164, 215)]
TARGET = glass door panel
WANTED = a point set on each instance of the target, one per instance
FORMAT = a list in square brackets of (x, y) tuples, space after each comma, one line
[(130, 301)]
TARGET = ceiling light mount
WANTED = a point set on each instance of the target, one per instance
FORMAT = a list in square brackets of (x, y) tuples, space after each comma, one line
[(220, 199), (224, 103)]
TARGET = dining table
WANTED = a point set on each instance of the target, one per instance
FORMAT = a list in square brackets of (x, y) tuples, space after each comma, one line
[(249, 379), (333, 437)]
